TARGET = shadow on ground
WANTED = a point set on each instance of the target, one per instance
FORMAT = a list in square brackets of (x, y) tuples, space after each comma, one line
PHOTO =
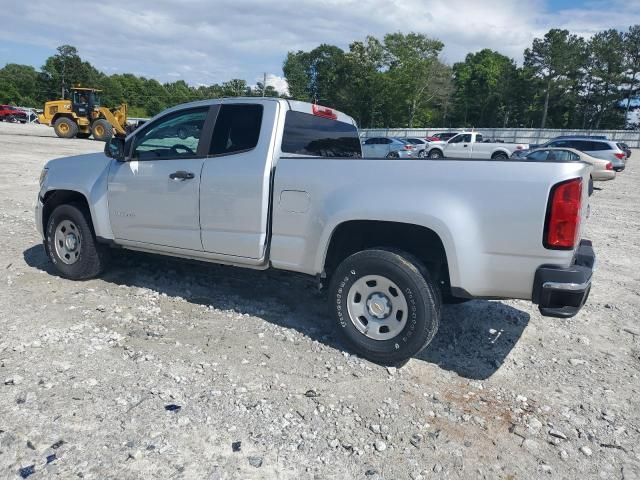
[(473, 341)]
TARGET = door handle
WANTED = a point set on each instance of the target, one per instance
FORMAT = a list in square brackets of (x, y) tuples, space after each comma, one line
[(465, 145), (181, 175)]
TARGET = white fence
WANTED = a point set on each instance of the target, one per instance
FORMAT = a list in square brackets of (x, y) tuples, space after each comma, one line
[(517, 135)]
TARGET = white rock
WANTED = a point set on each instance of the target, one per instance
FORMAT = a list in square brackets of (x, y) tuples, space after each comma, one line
[(586, 450), (380, 445)]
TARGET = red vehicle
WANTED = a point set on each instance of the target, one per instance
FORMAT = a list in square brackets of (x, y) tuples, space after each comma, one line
[(12, 114)]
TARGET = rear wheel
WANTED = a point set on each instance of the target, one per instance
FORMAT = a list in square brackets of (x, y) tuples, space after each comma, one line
[(422, 154), (500, 156), (393, 155), (65, 127), (386, 304), (71, 245), (102, 130), (435, 154)]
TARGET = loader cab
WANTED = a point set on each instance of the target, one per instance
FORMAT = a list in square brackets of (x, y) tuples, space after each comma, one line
[(84, 100)]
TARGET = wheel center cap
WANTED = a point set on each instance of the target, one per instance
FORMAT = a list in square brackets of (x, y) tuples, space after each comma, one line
[(379, 305), (70, 242)]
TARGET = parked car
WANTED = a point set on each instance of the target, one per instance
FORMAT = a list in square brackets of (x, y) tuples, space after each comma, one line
[(602, 169), (604, 149), (419, 145), (390, 239), (387, 147), (472, 145), (442, 137), (12, 114), (624, 147)]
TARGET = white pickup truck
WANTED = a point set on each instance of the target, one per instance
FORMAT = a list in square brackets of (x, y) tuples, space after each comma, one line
[(272, 183), (472, 145)]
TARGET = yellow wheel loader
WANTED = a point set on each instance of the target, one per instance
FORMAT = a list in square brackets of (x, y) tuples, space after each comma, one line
[(82, 116)]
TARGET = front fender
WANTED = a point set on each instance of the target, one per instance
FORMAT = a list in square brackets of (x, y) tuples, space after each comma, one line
[(88, 175)]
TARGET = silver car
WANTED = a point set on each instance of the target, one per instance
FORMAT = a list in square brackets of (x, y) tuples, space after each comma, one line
[(419, 145), (604, 149), (387, 147)]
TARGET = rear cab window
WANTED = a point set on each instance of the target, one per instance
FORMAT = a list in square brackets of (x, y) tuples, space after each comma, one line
[(307, 134)]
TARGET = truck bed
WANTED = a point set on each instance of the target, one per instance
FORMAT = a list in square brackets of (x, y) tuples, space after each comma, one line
[(489, 215)]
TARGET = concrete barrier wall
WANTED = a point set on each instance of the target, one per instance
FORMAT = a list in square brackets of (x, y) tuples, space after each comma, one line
[(518, 135)]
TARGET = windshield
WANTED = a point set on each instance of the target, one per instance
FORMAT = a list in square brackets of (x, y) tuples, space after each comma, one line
[(83, 97)]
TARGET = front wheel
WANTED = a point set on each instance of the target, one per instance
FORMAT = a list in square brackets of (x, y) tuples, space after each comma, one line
[(386, 304), (71, 245), (102, 130), (435, 154)]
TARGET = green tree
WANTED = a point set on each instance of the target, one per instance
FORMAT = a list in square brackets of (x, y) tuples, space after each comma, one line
[(415, 71), (631, 42), (484, 84), (553, 59)]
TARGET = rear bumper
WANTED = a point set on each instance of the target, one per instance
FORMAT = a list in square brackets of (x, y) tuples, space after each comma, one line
[(562, 292)]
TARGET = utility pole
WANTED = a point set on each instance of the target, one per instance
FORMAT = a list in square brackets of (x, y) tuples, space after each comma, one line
[(264, 83)]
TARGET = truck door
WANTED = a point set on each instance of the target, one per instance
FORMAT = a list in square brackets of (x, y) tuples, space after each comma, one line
[(459, 146), (154, 197), (236, 180)]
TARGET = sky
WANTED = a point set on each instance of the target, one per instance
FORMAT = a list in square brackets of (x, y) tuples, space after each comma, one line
[(211, 41)]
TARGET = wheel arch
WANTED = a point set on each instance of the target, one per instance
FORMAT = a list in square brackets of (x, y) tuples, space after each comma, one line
[(59, 115), (422, 242), (500, 151), (55, 198)]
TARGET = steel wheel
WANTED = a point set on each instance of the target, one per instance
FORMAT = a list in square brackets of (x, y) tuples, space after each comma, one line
[(64, 128), (67, 240), (99, 130), (377, 307)]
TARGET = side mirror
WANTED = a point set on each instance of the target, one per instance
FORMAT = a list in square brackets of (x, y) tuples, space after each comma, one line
[(114, 148)]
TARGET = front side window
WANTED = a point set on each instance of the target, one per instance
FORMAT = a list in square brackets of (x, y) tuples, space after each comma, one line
[(176, 135), (306, 134), (237, 129), (457, 139)]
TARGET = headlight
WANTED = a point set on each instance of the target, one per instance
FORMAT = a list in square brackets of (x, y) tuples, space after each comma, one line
[(43, 175)]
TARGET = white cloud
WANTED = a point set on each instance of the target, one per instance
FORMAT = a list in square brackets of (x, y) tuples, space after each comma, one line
[(205, 42)]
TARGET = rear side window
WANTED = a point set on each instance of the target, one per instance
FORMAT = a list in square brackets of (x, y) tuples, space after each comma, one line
[(306, 134), (595, 146), (237, 129)]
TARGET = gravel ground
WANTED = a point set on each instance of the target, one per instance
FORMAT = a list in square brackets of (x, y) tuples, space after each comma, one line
[(169, 369)]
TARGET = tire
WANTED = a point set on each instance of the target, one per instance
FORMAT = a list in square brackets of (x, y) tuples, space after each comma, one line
[(500, 156), (392, 281), (88, 259), (435, 154), (83, 134), (65, 127), (393, 155), (422, 154), (102, 130)]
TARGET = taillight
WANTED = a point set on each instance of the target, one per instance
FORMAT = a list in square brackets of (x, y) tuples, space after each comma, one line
[(408, 147), (325, 112), (620, 155), (563, 215), (609, 166)]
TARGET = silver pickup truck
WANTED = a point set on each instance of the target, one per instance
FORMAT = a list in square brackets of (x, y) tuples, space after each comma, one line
[(272, 183)]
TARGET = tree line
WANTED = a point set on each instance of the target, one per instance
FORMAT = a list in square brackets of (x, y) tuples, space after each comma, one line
[(25, 86), (565, 81)]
